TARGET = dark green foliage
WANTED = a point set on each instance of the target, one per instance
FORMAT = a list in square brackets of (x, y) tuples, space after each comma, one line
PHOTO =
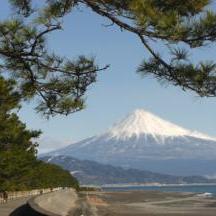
[(13, 133), (61, 83), (19, 167), (23, 6), (9, 99), (49, 175), (15, 169), (181, 25), (20, 170)]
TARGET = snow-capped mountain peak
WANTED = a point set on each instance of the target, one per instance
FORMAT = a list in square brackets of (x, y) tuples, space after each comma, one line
[(145, 141), (141, 122)]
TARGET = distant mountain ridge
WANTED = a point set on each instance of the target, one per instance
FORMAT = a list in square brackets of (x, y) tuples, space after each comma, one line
[(145, 141), (90, 172)]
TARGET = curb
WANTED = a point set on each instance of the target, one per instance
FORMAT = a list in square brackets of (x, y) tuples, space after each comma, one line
[(37, 208)]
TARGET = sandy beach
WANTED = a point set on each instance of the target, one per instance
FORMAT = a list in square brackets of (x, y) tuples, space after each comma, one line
[(149, 203)]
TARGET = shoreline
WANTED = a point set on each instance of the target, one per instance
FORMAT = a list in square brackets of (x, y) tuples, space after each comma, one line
[(205, 190), (147, 185), (156, 185), (151, 203)]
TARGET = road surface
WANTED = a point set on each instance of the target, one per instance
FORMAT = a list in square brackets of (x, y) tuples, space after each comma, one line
[(17, 207)]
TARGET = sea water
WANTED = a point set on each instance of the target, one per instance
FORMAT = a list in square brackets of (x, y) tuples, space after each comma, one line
[(209, 190)]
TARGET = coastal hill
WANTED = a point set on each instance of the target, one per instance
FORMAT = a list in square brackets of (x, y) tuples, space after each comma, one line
[(90, 172), (145, 141)]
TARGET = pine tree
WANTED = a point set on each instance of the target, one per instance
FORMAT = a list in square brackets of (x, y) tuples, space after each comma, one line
[(17, 150), (181, 25), (19, 167)]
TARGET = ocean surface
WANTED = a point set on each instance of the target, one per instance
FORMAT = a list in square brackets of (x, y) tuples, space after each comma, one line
[(200, 189)]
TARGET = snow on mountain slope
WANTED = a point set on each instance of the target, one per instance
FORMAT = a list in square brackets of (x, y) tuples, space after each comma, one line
[(142, 140), (141, 122)]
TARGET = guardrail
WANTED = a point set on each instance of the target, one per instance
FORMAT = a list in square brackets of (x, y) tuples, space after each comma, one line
[(12, 195)]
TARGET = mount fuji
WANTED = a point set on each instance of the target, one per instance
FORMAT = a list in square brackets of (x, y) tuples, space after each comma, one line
[(147, 142)]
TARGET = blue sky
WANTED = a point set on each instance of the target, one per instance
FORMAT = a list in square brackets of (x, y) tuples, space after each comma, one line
[(119, 90)]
